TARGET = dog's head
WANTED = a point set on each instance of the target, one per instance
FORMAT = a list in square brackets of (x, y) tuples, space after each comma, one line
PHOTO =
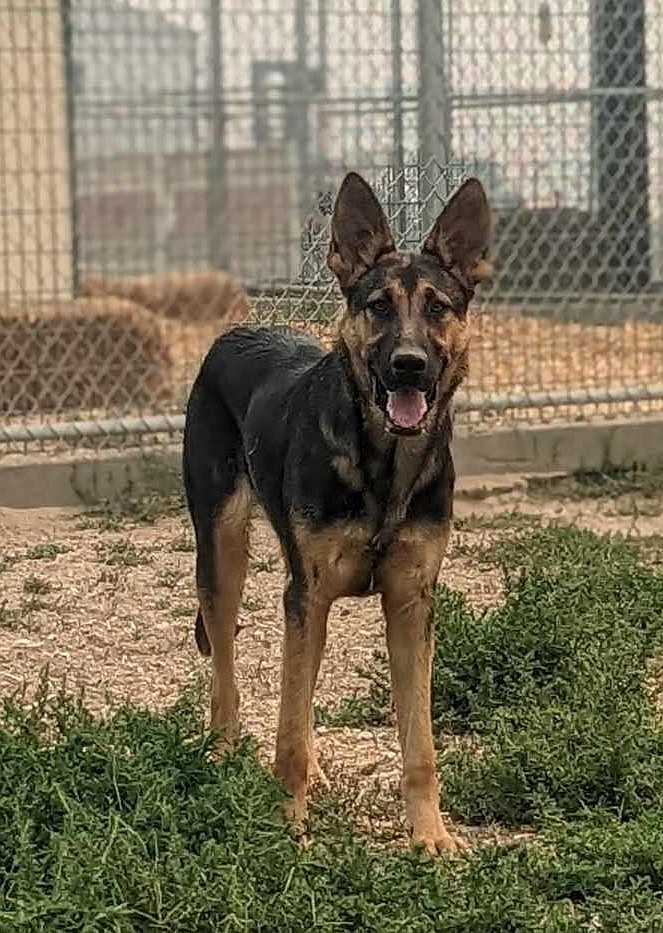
[(405, 326)]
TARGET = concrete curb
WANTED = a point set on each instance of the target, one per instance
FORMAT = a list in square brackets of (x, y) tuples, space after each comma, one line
[(554, 448), (41, 482), (498, 458)]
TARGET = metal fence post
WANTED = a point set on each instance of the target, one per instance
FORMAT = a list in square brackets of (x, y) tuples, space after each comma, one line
[(434, 123), (619, 118), (302, 93), (399, 221), (70, 91), (219, 253)]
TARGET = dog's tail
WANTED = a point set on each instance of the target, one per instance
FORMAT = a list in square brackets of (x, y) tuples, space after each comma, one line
[(201, 636)]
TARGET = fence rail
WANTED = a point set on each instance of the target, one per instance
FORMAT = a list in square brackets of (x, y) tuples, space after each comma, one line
[(168, 168)]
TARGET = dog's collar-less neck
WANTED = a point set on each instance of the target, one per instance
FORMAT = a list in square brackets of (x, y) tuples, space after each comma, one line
[(388, 526)]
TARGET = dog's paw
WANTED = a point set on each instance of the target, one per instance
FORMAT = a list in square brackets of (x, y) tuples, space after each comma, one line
[(435, 839), (295, 813)]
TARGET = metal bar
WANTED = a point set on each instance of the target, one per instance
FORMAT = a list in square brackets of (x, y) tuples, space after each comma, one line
[(397, 93), (302, 111), (541, 98), (434, 116), (322, 41), (246, 98), (70, 92), (173, 424), (79, 430), (558, 399), (619, 139), (218, 227)]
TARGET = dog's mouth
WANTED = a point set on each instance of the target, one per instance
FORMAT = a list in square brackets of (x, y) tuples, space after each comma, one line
[(405, 408)]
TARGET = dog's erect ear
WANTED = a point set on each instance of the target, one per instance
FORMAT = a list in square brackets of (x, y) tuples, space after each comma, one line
[(360, 232), (461, 234)]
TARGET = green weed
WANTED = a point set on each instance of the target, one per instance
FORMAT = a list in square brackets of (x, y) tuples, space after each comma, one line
[(47, 551), (371, 708), (122, 553), (129, 825), (130, 512), (36, 586)]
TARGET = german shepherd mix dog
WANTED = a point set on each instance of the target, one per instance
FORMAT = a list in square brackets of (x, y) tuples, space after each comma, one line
[(348, 453)]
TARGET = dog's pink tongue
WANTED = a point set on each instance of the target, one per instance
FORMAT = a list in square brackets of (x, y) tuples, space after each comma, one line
[(406, 407)]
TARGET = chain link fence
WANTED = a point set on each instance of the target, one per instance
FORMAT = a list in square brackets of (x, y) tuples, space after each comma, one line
[(168, 167)]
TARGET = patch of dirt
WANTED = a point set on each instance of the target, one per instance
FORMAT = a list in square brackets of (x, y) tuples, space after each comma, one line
[(116, 617)]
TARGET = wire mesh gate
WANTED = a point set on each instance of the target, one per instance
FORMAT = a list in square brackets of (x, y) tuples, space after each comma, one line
[(140, 141)]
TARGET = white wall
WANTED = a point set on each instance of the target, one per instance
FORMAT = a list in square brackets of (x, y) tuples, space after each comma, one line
[(35, 221)]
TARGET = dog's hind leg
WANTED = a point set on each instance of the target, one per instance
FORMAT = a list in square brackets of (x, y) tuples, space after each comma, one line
[(219, 500), (222, 559), (303, 645)]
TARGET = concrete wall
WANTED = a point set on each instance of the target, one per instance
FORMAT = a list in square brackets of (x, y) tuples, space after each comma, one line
[(35, 221), (86, 478)]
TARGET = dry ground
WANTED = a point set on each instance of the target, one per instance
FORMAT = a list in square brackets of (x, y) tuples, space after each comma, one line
[(110, 606)]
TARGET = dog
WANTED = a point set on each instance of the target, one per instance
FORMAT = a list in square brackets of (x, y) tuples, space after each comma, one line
[(348, 453)]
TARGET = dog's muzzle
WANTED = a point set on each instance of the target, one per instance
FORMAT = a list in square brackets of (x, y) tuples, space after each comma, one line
[(405, 398)]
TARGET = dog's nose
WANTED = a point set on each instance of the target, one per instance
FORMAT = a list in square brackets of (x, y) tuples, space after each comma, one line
[(408, 361)]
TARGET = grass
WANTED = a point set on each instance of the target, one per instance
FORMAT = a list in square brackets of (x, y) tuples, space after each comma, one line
[(252, 604), (47, 551), (259, 565), (37, 586), (500, 521), (7, 561), (552, 693), (129, 824), (183, 543), (509, 545), (169, 577), (600, 484), (548, 690), (20, 618), (15, 618), (122, 553), (573, 602), (633, 491), (11, 617), (131, 511), (371, 708), (181, 612)]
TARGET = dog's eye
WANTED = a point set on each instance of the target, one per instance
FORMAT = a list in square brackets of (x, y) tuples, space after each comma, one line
[(438, 308), (380, 308)]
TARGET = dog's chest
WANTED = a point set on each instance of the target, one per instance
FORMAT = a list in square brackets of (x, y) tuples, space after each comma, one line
[(342, 557), (338, 560)]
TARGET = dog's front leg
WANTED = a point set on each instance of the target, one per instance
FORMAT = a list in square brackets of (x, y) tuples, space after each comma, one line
[(407, 579), (303, 646)]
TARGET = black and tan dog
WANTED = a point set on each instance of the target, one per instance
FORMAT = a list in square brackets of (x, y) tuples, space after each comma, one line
[(348, 453)]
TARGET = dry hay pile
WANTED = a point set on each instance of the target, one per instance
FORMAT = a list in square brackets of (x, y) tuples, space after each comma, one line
[(513, 351), (82, 354), (189, 297)]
